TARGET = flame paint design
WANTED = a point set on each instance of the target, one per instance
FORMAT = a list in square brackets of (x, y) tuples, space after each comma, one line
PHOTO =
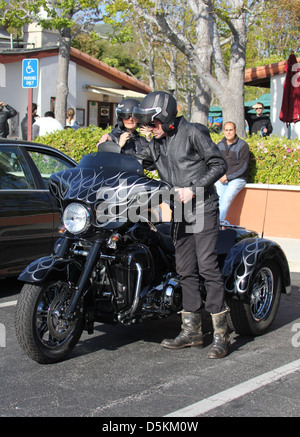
[(114, 197), (41, 266), (240, 264)]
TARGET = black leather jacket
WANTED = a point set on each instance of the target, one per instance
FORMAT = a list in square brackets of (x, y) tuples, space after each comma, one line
[(187, 158), (134, 145), (24, 124), (4, 116)]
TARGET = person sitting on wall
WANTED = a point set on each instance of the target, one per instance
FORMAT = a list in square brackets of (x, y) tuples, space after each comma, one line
[(236, 153)]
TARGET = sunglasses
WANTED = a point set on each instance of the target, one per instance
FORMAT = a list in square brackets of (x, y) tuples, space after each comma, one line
[(127, 116), (150, 124)]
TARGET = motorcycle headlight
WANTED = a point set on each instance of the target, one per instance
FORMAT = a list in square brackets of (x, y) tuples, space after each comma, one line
[(76, 218)]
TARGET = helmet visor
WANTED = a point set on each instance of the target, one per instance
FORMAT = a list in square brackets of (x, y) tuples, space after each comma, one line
[(146, 115)]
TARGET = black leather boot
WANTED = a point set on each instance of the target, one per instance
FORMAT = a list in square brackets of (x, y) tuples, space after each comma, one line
[(221, 340), (190, 334)]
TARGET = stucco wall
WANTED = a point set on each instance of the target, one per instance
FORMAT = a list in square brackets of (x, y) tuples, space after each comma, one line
[(274, 210), (13, 93)]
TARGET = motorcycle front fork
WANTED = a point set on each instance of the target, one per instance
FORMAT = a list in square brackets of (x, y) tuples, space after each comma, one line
[(85, 275)]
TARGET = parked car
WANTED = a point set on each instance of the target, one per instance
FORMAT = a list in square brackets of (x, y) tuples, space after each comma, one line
[(29, 216)]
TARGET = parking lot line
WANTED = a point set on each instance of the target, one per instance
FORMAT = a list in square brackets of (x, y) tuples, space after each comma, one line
[(235, 392), (8, 304)]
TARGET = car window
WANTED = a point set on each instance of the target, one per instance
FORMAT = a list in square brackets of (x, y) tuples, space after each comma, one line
[(14, 171), (48, 164)]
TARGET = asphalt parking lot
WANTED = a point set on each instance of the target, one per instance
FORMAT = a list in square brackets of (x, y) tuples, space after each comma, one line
[(123, 372)]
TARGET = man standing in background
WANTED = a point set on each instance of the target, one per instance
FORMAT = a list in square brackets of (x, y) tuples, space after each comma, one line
[(4, 116), (24, 122), (259, 123), (45, 125)]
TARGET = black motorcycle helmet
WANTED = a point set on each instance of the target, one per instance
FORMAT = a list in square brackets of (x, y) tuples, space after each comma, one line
[(124, 109), (158, 105)]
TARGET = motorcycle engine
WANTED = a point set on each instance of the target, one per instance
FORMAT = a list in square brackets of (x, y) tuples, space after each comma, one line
[(165, 298)]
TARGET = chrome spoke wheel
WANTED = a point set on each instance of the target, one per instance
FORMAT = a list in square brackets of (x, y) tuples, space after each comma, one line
[(262, 294), (42, 329), (255, 314), (51, 327)]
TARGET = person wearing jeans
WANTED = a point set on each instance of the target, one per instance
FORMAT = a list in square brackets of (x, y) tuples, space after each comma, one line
[(236, 153)]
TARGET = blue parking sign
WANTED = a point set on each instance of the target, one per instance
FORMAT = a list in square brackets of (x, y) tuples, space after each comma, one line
[(30, 73)]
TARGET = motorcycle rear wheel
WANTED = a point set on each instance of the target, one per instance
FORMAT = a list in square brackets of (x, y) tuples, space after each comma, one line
[(255, 315), (42, 331)]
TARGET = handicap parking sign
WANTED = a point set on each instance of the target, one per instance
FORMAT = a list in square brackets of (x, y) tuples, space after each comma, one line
[(30, 69)]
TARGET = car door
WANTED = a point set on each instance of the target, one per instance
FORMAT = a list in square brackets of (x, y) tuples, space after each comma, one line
[(28, 215)]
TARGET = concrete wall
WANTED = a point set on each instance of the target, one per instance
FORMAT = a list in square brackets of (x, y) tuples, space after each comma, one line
[(35, 36), (273, 209)]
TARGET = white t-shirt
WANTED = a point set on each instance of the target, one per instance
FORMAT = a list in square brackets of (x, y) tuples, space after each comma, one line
[(45, 125)]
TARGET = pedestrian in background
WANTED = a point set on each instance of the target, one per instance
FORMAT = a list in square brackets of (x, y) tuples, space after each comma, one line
[(24, 122), (70, 120), (259, 123), (4, 116), (45, 125)]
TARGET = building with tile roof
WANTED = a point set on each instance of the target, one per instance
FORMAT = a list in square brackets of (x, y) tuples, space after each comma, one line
[(94, 87)]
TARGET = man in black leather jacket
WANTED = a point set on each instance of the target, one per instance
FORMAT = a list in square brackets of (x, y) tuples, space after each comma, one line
[(186, 157), (24, 122), (4, 116)]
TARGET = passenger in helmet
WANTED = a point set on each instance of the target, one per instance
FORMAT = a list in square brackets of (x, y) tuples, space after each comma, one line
[(125, 132), (186, 157)]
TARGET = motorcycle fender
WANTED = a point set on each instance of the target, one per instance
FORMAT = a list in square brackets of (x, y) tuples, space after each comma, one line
[(243, 260), (43, 267)]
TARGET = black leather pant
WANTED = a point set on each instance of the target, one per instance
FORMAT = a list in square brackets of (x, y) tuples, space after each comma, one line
[(196, 255)]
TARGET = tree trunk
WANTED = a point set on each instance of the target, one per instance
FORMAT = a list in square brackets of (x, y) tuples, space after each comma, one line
[(201, 43), (203, 50), (228, 88), (233, 97), (62, 89), (202, 101)]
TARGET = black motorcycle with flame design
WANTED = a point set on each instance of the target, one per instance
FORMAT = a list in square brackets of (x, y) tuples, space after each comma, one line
[(115, 262)]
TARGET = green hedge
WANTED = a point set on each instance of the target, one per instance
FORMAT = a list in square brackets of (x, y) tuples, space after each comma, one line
[(74, 143), (273, 160)]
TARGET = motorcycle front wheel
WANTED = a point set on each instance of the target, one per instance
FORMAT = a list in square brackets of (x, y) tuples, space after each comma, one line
[(41, 329)]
